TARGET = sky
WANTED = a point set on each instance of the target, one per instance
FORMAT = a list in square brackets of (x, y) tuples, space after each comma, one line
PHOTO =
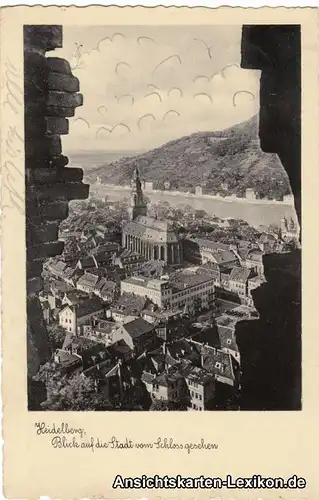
[(147, 85)]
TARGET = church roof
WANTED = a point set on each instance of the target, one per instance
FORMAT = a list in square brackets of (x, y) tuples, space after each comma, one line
[(152, 230)]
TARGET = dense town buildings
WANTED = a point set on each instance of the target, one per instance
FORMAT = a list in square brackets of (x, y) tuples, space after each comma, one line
[(152, 320)]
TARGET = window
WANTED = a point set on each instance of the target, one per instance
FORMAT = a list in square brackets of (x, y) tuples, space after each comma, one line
[(200, 397), (196, 395), (200, 408)]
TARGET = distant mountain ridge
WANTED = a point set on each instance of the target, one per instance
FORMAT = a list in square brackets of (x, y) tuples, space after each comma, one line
[(226, 162)]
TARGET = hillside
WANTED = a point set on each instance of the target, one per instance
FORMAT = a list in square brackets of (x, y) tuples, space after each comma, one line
[(225, 162)]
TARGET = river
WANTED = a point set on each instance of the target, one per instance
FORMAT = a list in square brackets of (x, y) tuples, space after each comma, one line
[(259, 212)]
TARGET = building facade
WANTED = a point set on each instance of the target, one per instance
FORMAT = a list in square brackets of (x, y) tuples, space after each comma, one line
[(153, 238), (185, 288), (201, 388), (71, 318)]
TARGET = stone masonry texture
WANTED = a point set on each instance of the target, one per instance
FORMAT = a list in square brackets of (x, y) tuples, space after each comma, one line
[(51, 95)]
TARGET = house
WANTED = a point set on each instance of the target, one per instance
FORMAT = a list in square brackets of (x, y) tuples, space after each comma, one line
[(100, 331), (289, 230), (192, 288), (120, 351), (52, 299), (46, 311), (87, 282), (86, 263), (253, 283), (154, 269), (148, 379), (221, 364), (89, 352), (168, 385), (56, 267), (108, 234), (224, 367), (213, 271), (224, 280), (204, 251), (254, 261), (95, 260), (68, 362), (267, 242), (227, 340), (158, 291), (108, 381), (127, 307), (58, 288), (99, 285), (129, 260), (154, 314), (171, 329), (71, 318), (108, 292), (74, 277), (68, 274), (73, 297), (106, 249), (201, 387), (178, 350), (238, 279), (138, 334)]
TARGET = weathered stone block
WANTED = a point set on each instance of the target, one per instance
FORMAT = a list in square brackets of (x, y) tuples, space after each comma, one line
[(59, 111), (42, 148), (43, 233), (64, 99), (34, 268), (56, 125), (59, 161), (52, 174), (63, 191), (45, 250), (62, 82), (34, 286), (45, 37), (58, 65), (58, 210)]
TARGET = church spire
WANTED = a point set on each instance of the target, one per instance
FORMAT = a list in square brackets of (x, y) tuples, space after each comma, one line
[(138, 205), (136, 174)]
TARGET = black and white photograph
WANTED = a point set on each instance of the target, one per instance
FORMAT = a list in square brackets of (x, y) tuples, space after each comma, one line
[(163, 217)]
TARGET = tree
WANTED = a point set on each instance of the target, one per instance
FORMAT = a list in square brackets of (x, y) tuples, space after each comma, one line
[(76, 393), (161, 405), (56, 335), (201, 214)]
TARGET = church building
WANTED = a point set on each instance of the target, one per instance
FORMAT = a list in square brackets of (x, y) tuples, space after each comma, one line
[(153, 238)]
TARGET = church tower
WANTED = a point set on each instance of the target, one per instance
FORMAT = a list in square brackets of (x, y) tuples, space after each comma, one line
[(138, 206)]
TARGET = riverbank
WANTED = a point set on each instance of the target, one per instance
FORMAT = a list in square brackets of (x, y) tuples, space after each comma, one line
[(230, 199), (255, 212)]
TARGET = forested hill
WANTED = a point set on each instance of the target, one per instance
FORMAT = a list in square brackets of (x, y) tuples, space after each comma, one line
[(225, 162)]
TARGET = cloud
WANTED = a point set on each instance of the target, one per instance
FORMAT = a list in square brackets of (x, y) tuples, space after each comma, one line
[(131, 81)]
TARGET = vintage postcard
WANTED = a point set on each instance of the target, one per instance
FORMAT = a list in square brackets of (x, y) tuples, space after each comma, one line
[(159, 247)]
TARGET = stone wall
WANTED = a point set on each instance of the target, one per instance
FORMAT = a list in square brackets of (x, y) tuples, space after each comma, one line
[(270, 347), (51, 95), (276, 51)]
